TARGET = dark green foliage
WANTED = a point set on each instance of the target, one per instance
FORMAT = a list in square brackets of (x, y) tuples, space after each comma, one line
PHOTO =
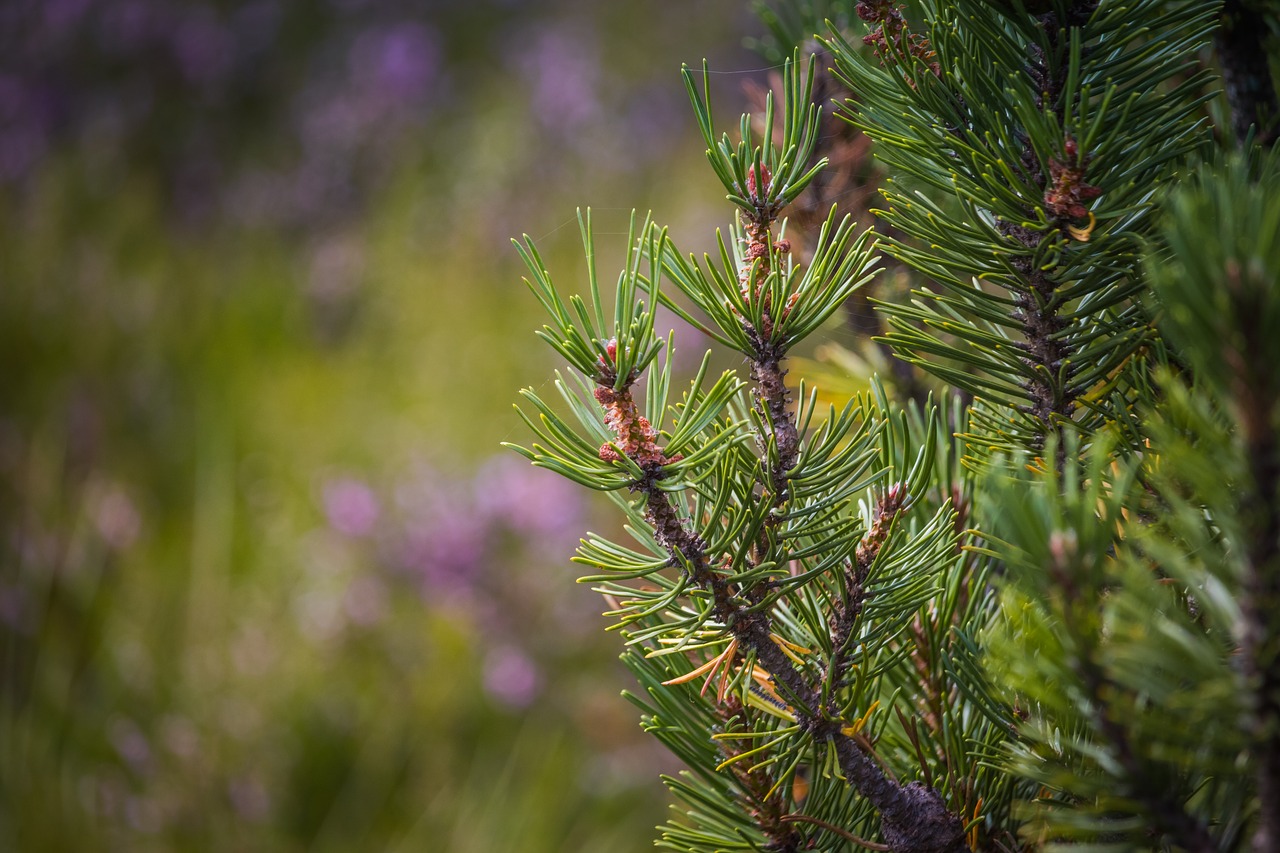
[(1038, 611), (1026, 154)]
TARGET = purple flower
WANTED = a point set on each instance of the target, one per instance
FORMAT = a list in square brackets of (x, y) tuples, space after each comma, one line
[(124, 26), (116, 518), (528, 500), (203, 47), (444, 542), (510, 677), (62, 18), (563, 69), (25, 118), (399, 62), (130, 743), (351, 507), (249, 798), (445, 550)]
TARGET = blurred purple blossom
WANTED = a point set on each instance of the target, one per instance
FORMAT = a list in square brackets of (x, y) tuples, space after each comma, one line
[(131, 744), (351, 507), (225, 81), (125, 26), (452, 531), (62, 16), (116, 518), (399, 61), (250, 798), (511, 677), (203, 47), (15, 609), (444, 548), (511, 493), (271, 114), (562, 65), (24, 127), (469, 548)]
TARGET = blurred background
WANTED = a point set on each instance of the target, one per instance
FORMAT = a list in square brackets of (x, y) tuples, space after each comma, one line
[(267, 580)]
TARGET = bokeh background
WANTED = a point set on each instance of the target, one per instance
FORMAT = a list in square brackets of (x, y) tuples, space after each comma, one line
[(267, 580)]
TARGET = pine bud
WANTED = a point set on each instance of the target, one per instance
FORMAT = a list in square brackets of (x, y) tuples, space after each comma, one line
[(758, 189)]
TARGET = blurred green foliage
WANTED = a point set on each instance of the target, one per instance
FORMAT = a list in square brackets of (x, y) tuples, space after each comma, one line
[(262, 584)]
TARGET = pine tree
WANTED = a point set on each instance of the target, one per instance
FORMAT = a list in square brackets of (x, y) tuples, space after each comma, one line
[(1040, 607)]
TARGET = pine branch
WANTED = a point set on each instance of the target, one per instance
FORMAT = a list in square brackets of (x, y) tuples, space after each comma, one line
[(1030, 137), (844, 615), (848, 836), (773, 400), (1052, 401), (1217, 291), (914, 817), (765, 802), (1167, 814), (1258, 408), (1017, 141)]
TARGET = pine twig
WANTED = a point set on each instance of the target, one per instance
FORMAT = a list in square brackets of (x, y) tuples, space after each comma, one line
[(914, 818)]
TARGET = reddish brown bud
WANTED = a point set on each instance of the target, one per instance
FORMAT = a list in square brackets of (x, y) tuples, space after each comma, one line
[(1067, 192), (607, 363), (876, 11), (894, 498), (886, 510), (758, 189)]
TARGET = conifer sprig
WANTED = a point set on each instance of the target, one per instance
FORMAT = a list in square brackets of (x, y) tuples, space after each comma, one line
[(1024, 198), (762, 179), (1034, 617), (748, 558)]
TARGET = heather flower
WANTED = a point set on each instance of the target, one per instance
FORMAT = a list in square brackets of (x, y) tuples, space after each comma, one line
[(203, 48), (116, 518), (124, 26), (250, 798), (527, 500), (563, 69), (130, 744), (14, 608), (511, 677), (443, 542), (351, 507), (399, 61)]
